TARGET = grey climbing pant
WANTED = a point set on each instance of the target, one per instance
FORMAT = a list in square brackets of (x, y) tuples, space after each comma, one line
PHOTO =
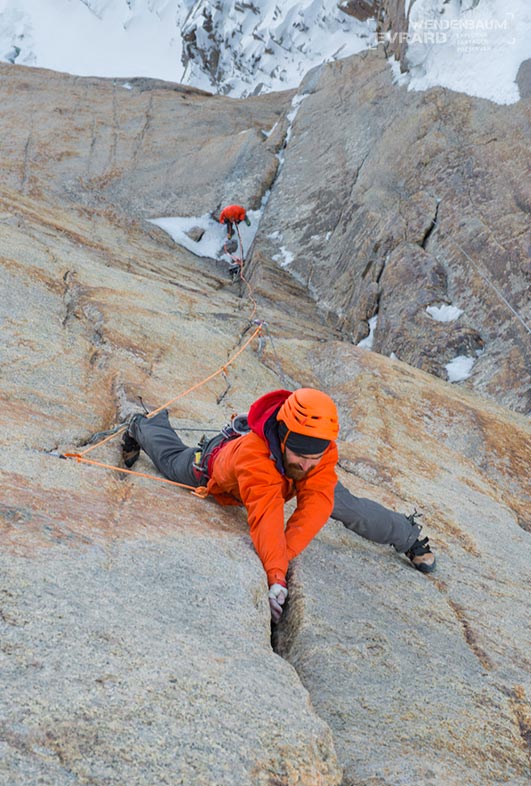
[(175, 461), (165, 448), (373, 521)]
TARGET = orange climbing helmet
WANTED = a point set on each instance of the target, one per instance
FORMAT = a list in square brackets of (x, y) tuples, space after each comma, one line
[(311, 413)]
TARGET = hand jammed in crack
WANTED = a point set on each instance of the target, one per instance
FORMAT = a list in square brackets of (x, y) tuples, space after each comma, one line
[(277, 598)]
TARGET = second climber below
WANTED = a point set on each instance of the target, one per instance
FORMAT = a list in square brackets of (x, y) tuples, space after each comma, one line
[(233, 215), (287, 450)]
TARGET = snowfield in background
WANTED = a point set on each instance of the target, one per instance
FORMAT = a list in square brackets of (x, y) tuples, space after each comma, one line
[(468, 46), (239, 49), (104, 38), (266, 45), (262, 46)]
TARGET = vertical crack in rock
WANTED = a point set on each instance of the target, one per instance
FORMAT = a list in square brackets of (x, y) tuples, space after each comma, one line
[(148, 117), (522, 711), (432, 227), (275, 365), (87, 312), (70, 296), (115, 128), (284, 637), (25, 163), (470, 636), (126, 403), (285, 633), (347, 204), (91, 156)]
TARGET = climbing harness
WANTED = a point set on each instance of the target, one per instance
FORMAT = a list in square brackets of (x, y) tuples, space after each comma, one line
[(209, 448)]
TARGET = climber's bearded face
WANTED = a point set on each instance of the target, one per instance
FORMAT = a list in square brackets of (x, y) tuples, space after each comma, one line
[(297, 467)]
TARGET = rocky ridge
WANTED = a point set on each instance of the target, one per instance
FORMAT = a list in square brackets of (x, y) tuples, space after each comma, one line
[(136, 642)]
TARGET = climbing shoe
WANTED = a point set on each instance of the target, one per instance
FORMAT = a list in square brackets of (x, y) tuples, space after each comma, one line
[(130, 447), (130, 450), (422, 556)]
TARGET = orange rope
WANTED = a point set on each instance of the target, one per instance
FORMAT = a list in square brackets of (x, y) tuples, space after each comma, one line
[(240, 262), (211, 376), (199, 491), (184, 393)]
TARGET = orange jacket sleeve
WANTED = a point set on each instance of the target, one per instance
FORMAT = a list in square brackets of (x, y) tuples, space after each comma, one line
[(264, 497), (244, 469)]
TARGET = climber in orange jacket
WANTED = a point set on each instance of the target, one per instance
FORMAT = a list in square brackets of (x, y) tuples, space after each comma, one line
[(233, 214), (289, 451), (284, 448)]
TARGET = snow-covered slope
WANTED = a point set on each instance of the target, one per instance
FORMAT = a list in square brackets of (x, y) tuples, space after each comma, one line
[(255, 46), (471, 46), (223, 46), (95, 37), (263, 45)]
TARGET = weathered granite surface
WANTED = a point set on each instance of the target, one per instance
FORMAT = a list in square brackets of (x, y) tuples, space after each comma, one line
[(393, 20), (135, 641), (523, 79), (390, 201), (135, 623), (421, 680), (360, 9), (140, 146)]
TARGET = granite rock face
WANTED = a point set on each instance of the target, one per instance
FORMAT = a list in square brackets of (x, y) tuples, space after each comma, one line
[(135, 623), (391, 201), (385, 652), (523, 79), (136, 641), (360, 9), (140, 146), (394, 21)]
